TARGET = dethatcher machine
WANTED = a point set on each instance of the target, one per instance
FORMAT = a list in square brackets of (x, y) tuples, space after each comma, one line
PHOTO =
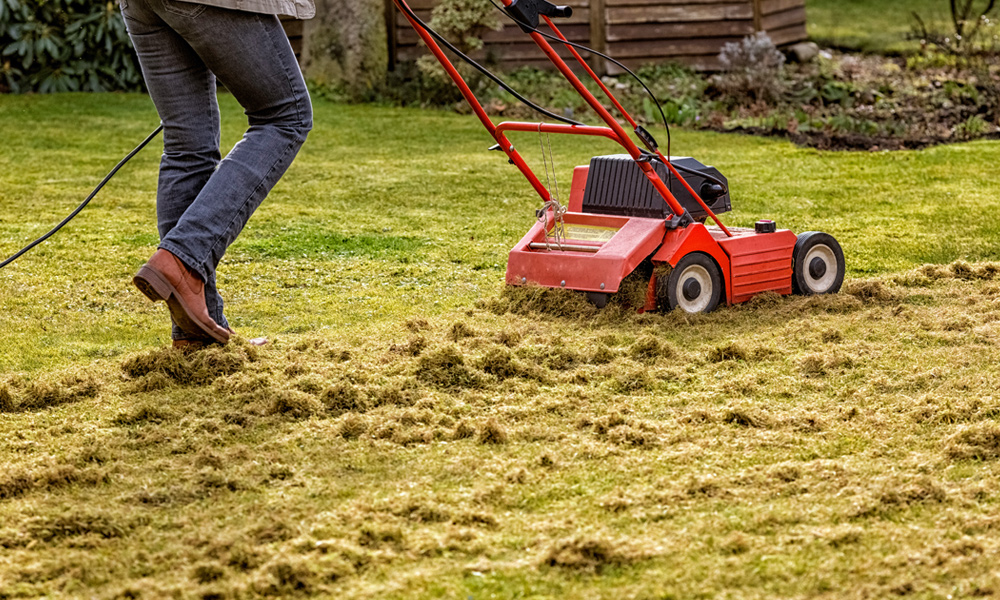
[(640, 207)]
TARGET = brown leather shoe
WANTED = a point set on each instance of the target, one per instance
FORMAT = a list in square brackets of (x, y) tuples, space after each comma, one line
[(166, 278)]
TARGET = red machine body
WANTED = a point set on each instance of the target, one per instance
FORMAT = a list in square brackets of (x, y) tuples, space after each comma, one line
[(589, 250)]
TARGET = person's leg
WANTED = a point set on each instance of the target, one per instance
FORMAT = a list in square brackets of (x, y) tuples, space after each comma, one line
[(251, 56), (183, 90)]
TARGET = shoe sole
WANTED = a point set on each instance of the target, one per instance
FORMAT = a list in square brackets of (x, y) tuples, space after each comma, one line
[(156, 288)]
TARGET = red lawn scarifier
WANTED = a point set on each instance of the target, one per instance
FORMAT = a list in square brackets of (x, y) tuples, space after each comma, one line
[(624, 209)]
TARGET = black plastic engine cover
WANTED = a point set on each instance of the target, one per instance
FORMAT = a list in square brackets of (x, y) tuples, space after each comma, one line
[(616, 186)]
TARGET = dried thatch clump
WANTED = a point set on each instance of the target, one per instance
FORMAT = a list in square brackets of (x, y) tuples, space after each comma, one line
[(872, 292), (900, 495), (6, 399), (413, 347), (286, 576), (295, 404), (768, 299), (963, 270), (417, 324), (44, 393), (976, 442), (74, 524), (630, 381), (728, 351), (499, 363), (343, 397), (15, 483), (742, 417), (48, 477), (956, 270), (509, 337), (602, 355), (152, 382), (492, 432), (649, 348), (145, 413), (459, 331), (352, 426), (530, 300), (463, 430), (446, 368), (814, 364), (189, 368), (588, 553)]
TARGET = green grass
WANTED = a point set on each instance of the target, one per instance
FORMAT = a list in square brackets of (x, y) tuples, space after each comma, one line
[(866, 26), (412, 430)]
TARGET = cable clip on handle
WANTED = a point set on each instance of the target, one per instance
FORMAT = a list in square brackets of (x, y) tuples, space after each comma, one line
[(647, 138), (525, 12)]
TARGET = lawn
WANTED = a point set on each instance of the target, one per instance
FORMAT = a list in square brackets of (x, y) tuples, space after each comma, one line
[(867, 26), (413, 430)]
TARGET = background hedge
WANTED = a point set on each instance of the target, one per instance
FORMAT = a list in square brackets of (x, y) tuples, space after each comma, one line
[(64, 46)]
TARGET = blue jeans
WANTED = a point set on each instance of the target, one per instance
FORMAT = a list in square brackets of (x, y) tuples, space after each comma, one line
[(202, 200)]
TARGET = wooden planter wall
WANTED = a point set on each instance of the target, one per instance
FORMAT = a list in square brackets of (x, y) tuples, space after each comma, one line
[(635, 32)]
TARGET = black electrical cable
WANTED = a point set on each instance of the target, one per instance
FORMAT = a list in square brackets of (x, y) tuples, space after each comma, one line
[(559, 40), (107, 178), (441, 40), (405, 8)]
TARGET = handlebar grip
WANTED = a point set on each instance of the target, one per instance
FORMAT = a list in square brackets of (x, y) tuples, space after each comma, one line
[(562, 12)]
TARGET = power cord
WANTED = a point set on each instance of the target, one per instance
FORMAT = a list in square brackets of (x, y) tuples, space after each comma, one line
[(559, 40), (652, 96), (107, 178), (494, 78)]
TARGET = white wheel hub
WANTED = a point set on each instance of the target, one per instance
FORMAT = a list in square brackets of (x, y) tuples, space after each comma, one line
[(694, 289), (819, 268)]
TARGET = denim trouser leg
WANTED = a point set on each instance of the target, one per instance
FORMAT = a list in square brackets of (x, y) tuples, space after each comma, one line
[(203, 204)]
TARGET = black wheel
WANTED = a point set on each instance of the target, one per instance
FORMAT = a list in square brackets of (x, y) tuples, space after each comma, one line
[(817, 264), (695, 284)]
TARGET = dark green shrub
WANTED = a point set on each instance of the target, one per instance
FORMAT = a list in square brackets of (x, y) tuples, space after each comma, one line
[(65, 46)]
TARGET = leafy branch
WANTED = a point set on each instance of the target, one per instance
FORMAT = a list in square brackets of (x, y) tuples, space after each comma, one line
[(63, 46)]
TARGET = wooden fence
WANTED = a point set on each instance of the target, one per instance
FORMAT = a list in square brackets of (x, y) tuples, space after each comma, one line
[(635, 32), (294, 28)]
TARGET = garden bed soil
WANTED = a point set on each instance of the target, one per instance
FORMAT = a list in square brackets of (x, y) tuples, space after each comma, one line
[(828, 140), (867, 102), (839, 101)]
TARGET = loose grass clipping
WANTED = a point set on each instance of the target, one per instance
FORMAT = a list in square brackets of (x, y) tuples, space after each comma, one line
[(194, 368), (492, 432), (588, 553), (976, 442), (45, 393), (6, 399), (446, 368)]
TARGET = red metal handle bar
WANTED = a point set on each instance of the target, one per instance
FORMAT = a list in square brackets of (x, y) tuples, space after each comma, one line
[(649, 171), (624, 139), (557, 128), (597, 80), (470, 98), (616, 132)]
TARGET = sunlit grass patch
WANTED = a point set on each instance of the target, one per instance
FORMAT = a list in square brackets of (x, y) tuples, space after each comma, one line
[(868, 27), (317, 242)]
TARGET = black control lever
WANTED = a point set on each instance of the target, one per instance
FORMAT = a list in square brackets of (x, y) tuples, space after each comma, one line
[(525, 12)]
